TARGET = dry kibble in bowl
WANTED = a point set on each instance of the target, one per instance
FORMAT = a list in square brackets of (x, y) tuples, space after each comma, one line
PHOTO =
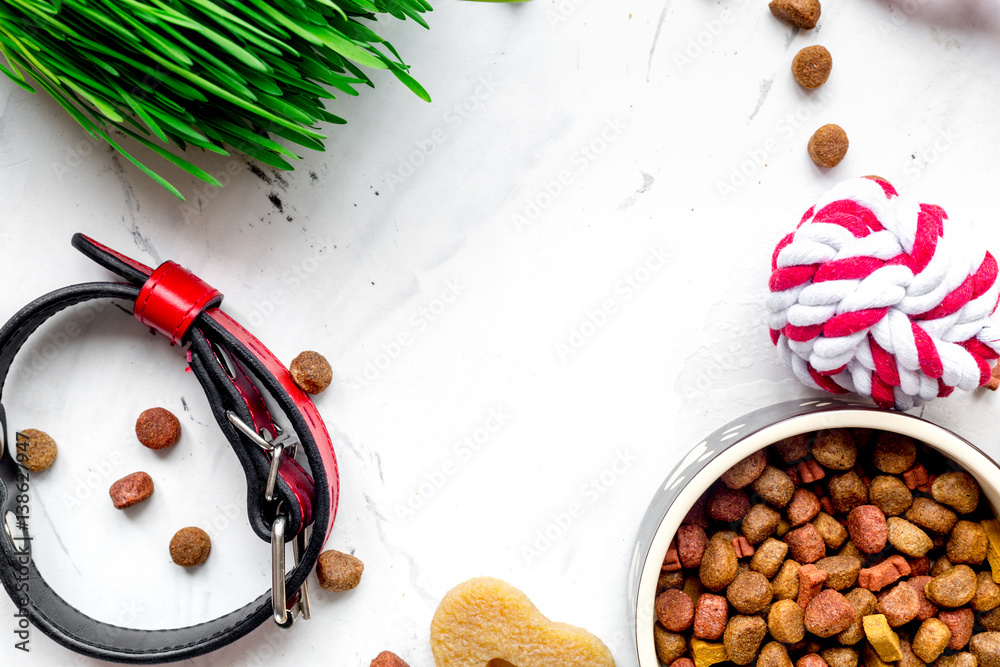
[(831, 549)]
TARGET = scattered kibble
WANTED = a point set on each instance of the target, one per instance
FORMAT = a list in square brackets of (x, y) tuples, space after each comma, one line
[(800, 13), (311, 372), (190, 546), (811, 66), (36, 450), (131, 489), (828, 146), (157, 428), (338, 571)]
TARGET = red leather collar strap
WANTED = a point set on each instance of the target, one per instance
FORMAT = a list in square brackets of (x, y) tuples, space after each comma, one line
[(236, 372)]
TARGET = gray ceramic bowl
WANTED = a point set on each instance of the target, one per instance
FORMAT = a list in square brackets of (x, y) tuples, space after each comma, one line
[(706, 462)]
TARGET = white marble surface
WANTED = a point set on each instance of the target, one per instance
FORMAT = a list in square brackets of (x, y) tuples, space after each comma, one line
[(434, 256)]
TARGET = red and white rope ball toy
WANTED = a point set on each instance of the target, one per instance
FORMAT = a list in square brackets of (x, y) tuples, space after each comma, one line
[(869, 296)]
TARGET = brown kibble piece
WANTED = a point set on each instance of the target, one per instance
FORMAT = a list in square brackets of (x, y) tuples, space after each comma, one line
[(868, 528), (742, 638), (669, 645), (964, 659), (987, 592), (835, 448), (760, 523), (805, 544), (675, 610), (931, 640), (900, 604), (786, 622), (157, 428), (990, 619), (958, 490), (669, 579), (388, 659), (719, 564), (190, 546), (908, 659), (986, 647), (338, 571), (774, 654), (960, 622), (841, 571), (749, 593), (828, 614), (864, 603), (698, 514), (908, 538), (728, 505), (800, 13), (786, 583), (746, 471), (811, 68), (36, 450), (711, 614), (890, 495), (894, 453), (691, 541), (954, 588), (311, 372), (828, 146), (967, 543), (768, 557), (131, 489), (774, 486), (931, 516), (793, 448), (840, 657), (941, 565), (847, 491), (832, 531), (803, 507)]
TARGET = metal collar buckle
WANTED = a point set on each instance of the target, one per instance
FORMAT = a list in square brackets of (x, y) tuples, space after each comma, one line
[(278, 445)]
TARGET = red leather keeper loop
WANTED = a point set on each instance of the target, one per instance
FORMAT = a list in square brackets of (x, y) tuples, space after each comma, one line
[(171, 299)]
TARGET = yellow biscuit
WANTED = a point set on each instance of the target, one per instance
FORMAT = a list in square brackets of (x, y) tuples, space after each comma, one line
[(882, 638), (992, 528), (487, 619), (707, 653)]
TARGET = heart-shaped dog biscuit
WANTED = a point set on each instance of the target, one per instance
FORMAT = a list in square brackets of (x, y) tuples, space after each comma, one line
[(487, 621)]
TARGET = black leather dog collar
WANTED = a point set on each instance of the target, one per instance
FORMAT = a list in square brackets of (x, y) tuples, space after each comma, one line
[(233, 368)]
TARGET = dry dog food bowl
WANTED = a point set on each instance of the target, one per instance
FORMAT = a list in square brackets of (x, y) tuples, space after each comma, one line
[(706, 462)]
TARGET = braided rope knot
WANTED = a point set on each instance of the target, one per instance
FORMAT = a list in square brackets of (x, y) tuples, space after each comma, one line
[(869, 296)]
